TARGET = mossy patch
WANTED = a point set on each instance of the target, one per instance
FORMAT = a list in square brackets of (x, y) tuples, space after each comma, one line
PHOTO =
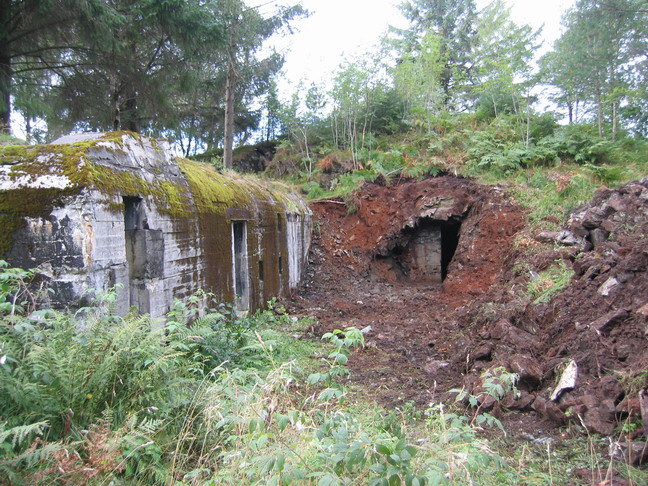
[(212, 192)]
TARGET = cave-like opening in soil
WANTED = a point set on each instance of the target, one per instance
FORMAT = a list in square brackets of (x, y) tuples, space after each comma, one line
[(449, 242), (422, 254)]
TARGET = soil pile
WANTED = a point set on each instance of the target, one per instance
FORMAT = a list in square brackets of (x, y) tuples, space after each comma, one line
[(437, 317)]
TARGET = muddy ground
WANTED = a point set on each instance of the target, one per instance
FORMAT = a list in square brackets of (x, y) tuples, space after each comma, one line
[(425, 336)]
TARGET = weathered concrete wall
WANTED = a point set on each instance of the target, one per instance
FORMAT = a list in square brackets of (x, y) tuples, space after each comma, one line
[(112, 209)]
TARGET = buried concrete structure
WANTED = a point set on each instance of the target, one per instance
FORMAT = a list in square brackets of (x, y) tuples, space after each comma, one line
[(97, 211)]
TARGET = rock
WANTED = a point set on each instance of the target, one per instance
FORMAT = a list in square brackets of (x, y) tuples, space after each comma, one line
[(624, 351), (567, 380), (598, 236), (528, 370), (519, 339), (623, 277), (567, 238), (611, 387), (549, 410), (608, 286), (522, 401), (643, 311), (547, 237), (592, 272), (610, 226), (483, 352), (629, 406), (643, 405), (593, 217), (432, 366), (603, 324), (598, 416), (634, 452), (486, 401)]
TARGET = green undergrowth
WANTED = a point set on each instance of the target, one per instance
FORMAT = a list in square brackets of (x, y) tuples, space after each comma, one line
[(552, 168), (211, 398)]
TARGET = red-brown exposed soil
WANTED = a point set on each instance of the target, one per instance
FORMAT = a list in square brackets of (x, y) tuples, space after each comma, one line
[(424, 337)]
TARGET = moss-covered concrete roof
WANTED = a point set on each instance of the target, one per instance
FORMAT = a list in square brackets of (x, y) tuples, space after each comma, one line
[(35, 179)]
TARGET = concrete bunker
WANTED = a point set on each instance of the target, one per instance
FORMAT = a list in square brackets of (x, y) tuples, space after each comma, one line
[(96, 211), (420, 254)]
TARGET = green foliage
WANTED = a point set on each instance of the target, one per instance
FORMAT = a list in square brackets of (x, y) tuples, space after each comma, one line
[(313, 190), (95, 398), (343, 341), (10, 140), (552, 194), (15, 453), (495, 383), (15, 296)]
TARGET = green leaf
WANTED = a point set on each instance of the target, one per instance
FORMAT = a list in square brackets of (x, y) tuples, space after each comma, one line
[(280, 463), (341, 359), (383, 449), (282, 422)]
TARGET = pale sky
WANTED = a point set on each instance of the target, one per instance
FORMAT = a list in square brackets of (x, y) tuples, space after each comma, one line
[(351, 27)]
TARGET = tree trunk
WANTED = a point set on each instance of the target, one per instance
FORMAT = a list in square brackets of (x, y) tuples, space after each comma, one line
[(527, 140), (5, 90), (5, 69), (615, 119), (230, 83), (130, 120), (115, 114), (599, 111)]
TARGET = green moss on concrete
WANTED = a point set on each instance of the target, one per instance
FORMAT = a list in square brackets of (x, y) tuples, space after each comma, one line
[(212, 192), (72, 161)]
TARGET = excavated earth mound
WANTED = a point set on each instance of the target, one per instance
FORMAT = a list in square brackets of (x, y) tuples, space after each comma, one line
[(436, 273)]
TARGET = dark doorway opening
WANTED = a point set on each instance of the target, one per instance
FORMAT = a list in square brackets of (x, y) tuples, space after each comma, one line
[(449, 242), (240, 262), (144, 253), (134, 216), (422, 254)]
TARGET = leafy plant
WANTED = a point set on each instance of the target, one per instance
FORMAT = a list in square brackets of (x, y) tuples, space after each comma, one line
[(343, 341), (495, 384), (15, 295)]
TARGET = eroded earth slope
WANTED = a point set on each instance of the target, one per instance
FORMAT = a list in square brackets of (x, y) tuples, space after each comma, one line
[(436, 317)]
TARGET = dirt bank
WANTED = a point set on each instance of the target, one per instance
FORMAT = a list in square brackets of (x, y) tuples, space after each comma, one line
[(437, 273)]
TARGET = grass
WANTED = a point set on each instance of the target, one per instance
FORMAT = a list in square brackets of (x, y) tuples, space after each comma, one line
[(547, 283)]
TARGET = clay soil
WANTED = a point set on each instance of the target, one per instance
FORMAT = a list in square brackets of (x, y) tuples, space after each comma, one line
[(424, 338)]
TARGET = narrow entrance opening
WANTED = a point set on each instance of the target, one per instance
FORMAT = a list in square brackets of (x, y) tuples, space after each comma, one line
[(240, 263), (422, 254), (134, 222), (449, 243), (144, 253), (134, 217)]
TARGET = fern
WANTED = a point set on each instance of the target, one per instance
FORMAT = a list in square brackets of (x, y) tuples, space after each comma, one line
[(19, 449), (19, 434)]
